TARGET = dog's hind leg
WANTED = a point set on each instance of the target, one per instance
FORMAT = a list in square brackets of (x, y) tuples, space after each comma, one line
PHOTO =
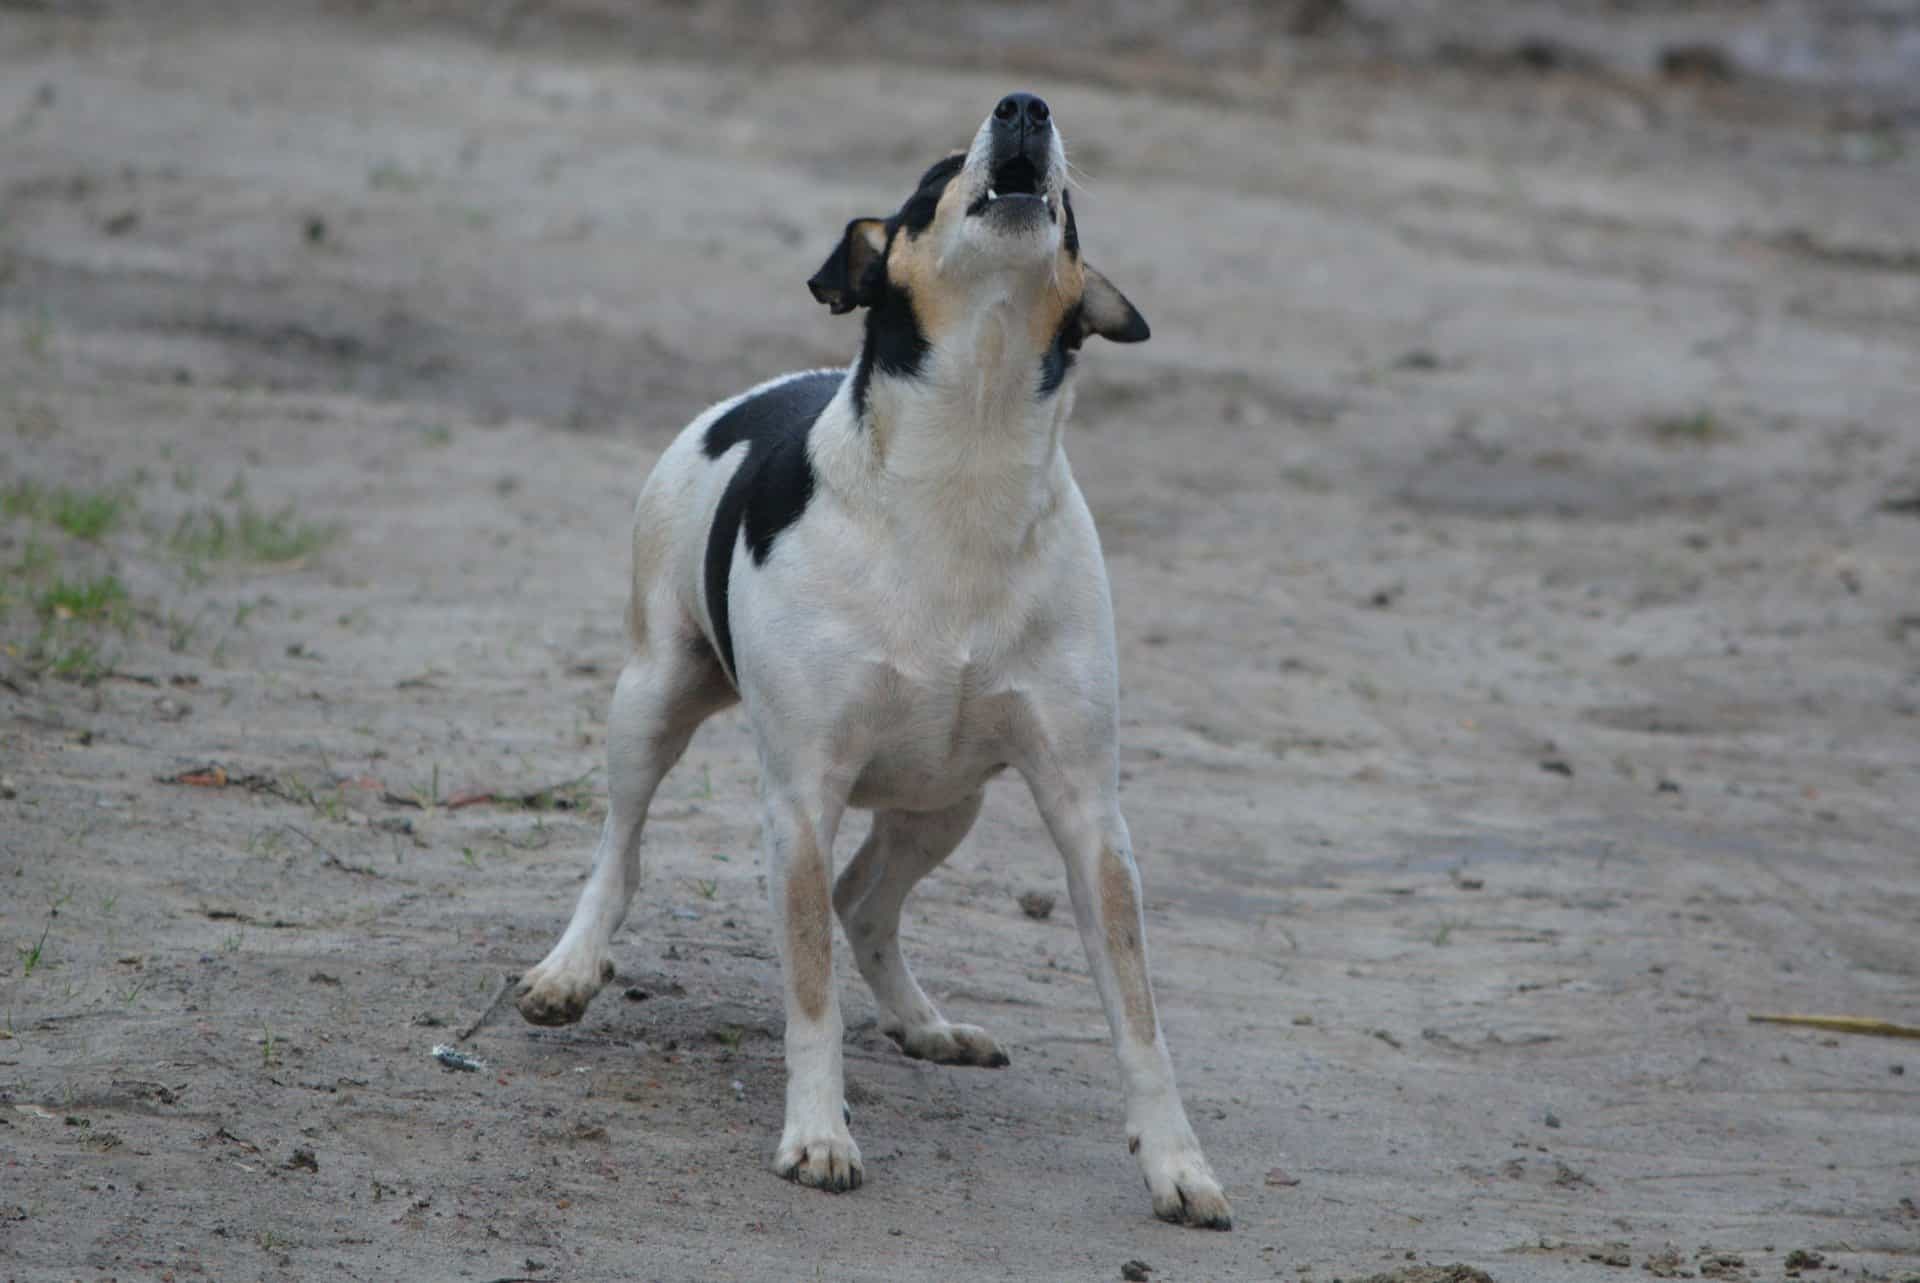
[(665, 691), (904, 847)]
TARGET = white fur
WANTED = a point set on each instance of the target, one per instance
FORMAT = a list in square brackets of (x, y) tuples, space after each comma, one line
[(939, 612)]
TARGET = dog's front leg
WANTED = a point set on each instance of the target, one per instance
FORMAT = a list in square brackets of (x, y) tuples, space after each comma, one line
[(815, 1147), (1082, 812)]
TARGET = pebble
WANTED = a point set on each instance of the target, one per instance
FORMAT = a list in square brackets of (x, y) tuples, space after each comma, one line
[(1037, 905), (8, 789)]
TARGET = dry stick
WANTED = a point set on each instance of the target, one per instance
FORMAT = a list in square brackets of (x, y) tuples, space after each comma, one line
[(1843, 1024), (302, 833), (506, 987)]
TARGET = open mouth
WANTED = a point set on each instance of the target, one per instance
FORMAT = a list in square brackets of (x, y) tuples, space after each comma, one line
[(1013, 182), (1015, 177)]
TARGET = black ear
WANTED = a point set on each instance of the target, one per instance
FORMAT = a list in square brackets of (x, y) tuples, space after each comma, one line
[(1105, 311), (841, 281)]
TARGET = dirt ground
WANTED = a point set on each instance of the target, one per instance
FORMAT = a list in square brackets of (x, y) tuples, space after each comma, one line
[(1515, 532)]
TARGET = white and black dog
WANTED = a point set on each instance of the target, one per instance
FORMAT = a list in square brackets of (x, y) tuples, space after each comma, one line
[(892, 566)]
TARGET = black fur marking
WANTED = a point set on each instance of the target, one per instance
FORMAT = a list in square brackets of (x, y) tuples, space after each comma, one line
[(1073, 230), (895, 342), (1058, 358), (770, 488), (917, 214)]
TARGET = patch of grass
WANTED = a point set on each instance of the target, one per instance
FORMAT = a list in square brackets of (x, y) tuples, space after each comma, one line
[(36, 336), (388, 176), (707, 887), (1698, 428), (249, 534), (84, 514), (102, 599), (78, 662), (30, 955)]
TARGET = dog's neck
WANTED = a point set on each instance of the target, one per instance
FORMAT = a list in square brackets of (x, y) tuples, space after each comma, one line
[(967, 439)]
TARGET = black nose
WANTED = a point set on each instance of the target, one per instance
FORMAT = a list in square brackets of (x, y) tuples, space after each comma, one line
[(1024, 111)]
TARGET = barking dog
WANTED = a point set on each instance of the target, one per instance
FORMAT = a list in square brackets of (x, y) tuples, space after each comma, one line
[(892, 567)]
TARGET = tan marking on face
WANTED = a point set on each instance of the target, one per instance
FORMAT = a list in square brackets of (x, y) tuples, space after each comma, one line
[(1069, 282), (1120, 917), (913, 264), (809, 929)]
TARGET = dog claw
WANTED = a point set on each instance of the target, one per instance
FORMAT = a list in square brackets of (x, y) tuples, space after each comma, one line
[(951, 1045), (828, 1164), (1199, 1209), (552, 999)]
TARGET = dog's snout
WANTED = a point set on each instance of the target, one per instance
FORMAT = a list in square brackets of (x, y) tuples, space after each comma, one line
[(1026, 112)]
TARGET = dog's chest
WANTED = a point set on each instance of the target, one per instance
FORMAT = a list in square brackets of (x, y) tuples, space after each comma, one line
[(935, 733)]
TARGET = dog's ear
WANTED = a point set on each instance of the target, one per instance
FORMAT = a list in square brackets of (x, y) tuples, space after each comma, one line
[(1105, 311), (841, 282)]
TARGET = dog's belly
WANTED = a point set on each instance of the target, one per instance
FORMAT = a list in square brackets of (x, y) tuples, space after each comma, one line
[(931, 749)]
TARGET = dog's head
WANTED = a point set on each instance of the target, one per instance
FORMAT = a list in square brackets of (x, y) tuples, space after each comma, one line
[(993, 223)]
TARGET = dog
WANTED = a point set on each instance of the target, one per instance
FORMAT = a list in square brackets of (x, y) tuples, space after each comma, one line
[(891, 566)]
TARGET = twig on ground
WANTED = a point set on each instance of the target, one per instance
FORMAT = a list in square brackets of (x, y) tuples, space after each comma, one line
[(1843, 1025), (506, 987)]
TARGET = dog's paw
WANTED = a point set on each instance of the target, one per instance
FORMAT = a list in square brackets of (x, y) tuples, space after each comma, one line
[(557, 993), (1183, 1187), (830, 1162), (951, 1045)]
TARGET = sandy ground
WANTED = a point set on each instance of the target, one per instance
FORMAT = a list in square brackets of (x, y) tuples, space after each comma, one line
[(1515, 530)]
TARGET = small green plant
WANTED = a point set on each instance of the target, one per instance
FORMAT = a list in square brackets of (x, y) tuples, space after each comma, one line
[(388, 176), (30, 955), (87, 516), (97, 600), (69, 660), (730, 1036), (36, 336), (1698, 428), (707, 887), (249, 535), (269, 1049), (22, 499), (82, 514)]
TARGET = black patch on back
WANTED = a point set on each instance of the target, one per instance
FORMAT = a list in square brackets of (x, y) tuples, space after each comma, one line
[(768, 491), (1058, 358), (1073, 230)]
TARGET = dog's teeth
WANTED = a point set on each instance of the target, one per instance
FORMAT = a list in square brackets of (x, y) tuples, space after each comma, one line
[(992, 194)]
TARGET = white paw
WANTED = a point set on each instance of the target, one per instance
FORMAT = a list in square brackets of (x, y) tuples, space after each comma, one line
[(558, 990), (947, 1044), (826, 1160), (1183, 1186)]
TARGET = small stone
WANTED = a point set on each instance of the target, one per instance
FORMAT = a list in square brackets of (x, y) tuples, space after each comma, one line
[(1552, 1119), (1038, 905), (1135, 1271), (8, 789), (303, 1160)]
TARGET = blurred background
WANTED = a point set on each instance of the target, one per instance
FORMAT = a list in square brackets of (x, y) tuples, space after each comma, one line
[(1514, 526)]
